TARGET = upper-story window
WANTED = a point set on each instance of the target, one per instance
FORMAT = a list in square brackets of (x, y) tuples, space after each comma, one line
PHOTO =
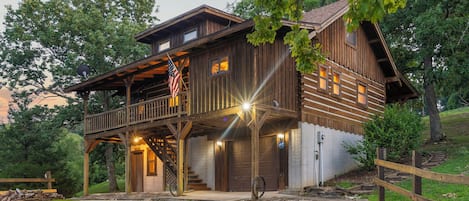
[(336, 83), (164, 45), (219, 65), (322, 78), (190, 35), (362, 94), (351, 38)]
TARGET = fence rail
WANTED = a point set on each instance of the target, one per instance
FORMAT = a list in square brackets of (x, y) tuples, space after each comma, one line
[(417, 175), (48, 179)]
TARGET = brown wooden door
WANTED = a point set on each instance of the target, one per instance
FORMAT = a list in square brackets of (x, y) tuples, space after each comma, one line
[(221, 166), (137, 171), (268, 162), (239, 155)]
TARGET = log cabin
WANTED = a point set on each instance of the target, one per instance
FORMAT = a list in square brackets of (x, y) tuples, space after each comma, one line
[(242, 111)]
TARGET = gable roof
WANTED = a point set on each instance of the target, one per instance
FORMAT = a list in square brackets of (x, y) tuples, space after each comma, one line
[(400, 87), (185, 19), (315, 20)]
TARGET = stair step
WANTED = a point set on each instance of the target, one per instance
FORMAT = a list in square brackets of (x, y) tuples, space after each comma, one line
[(194, 180), (199, 186)]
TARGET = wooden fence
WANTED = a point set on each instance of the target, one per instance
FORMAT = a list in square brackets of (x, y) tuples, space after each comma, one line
[(48, 179), (417, 175)]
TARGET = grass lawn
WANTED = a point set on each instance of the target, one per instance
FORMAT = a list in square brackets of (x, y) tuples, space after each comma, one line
[(102, 187), (456, 127)]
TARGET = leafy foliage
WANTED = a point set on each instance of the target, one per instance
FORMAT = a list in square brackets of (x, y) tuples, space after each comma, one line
[(370, 10), (45, 41), (33, 144), (437, 31), (268, 16), (398, 130)]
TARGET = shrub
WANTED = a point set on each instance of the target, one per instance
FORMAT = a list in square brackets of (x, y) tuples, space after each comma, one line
[(398, 130)]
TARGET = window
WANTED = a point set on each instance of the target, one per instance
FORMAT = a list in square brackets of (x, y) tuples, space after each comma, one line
[(174, 101), (351, 38), (336, 83), (164, 45), (362, 94), (218, 66), (151, 163), (322, 78), (190, 35)]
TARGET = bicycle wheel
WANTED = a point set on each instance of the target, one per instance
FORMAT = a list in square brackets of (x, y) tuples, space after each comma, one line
[(258, 187), (173, 188)]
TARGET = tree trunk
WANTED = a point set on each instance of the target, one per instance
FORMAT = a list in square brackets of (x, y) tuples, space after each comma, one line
[(111, 169), (431, 101)]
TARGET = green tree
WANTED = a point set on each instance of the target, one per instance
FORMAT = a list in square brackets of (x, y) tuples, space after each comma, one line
[(429, 40), (33, 143), (268, 16), (45, 41)]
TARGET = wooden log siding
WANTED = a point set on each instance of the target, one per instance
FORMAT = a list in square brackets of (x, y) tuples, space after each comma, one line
[(359, 59), (341, 113), (150, 110)]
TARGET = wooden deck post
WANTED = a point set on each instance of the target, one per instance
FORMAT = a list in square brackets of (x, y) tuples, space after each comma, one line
[(416, 180), (86, 160), (86, 174), (128, 86), (254, 151), (381, 154)]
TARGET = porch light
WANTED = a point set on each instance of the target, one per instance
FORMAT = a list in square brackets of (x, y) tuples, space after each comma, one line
[(280, 136), (137, 139), (219, 143), (246, 106)]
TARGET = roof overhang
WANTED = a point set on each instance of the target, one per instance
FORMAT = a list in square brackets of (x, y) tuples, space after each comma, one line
[(152, 65)]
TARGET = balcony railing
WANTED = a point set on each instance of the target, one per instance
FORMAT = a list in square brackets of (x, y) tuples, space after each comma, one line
[(150, 110)]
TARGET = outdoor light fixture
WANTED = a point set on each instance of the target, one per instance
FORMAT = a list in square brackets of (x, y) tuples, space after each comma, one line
[(137, 139), (219, 143), (281, 136), (246, 106)]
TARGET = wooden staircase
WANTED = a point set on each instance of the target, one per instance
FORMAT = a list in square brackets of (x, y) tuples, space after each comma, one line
[(165, 148), (195, 183)]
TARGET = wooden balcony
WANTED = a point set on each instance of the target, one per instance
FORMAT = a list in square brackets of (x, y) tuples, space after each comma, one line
[(155, 109)]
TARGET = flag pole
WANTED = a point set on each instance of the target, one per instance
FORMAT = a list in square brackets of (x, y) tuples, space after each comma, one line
[(182, 77)]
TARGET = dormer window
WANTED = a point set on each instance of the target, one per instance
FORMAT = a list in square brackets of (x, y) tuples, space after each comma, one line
[(164, 45), (190, 35), (351, 38)]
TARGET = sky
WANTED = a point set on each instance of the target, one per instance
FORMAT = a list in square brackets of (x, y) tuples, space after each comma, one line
[(167, 10)]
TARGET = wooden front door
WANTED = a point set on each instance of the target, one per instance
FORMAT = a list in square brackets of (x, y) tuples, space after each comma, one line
[(137, 171), (221, 166)]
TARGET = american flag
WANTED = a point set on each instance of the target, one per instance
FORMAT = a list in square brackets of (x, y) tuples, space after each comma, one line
[(173, 78)]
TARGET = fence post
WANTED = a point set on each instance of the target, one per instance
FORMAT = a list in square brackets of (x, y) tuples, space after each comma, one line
[(381, 155), (49, 180), (416, 180)]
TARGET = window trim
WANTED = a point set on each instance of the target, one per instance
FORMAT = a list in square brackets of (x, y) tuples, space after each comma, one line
[(163, 42), (190, 31), (218, 61), (326, 78), (364, 94), (339, 84), (154, 161)]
